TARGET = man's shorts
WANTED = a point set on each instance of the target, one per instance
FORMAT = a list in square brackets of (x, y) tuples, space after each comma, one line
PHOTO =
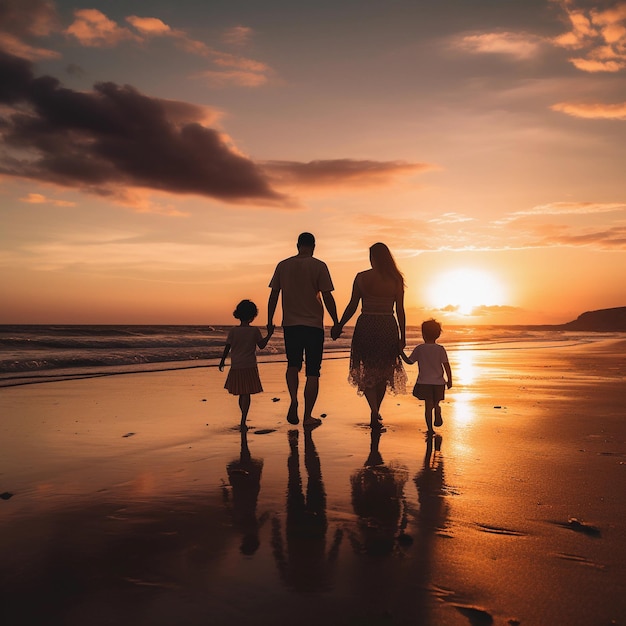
[(434, 393), (301, 342)]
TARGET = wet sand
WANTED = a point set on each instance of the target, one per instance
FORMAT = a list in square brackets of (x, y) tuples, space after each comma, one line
[(133, 499)]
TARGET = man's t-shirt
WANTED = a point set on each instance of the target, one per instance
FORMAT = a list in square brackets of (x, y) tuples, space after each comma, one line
[(301, 280)]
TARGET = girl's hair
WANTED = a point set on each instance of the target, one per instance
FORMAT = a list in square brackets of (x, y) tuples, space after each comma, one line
[(246, 311), (383, 260), (431, 329)]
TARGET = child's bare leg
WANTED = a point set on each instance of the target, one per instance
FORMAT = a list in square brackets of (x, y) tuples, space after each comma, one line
[(438, 418), (244, 405), (428, 414)]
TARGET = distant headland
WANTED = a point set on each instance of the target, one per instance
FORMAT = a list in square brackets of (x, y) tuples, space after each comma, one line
[(608, 320)]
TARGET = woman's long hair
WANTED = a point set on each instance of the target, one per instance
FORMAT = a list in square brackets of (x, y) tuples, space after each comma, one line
[(383, 261)]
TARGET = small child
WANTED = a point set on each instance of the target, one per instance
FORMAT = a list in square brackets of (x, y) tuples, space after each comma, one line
[(432, 361), (242, 341)]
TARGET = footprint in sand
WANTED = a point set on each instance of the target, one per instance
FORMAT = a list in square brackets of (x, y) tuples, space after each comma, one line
[(497, 530), (476, 616), (578, 559)]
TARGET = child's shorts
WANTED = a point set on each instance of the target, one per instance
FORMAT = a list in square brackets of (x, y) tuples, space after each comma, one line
[(434, 393)]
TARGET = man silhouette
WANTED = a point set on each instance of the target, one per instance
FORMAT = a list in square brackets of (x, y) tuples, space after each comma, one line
[(304, 283)]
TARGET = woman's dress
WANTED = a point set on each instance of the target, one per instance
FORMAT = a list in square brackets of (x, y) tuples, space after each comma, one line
[(374, 356)]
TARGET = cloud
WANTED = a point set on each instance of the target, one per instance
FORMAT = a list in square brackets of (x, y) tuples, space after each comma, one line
[(598, 33), (574, 208), (493, 309), (593, 111), (37, 198), (115, 142), (115, 137), (20, 48), (150, 26), (238, 78), (237, 36), (28, 17), (245, 72), (92, 28), (451, 218), (516, 45), (613, 238), (21, 20), (338, 172)]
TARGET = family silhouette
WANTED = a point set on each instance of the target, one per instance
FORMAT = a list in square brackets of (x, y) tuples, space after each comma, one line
[(304, 286)]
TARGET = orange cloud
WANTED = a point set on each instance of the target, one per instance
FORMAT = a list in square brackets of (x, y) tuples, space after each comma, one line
[(596, 111), (37, 198), (14, 45), (247, 72), (94, 29), (599, 33), (149, 25)]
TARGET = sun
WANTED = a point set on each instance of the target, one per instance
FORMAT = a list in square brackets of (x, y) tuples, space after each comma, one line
[(464, 289)]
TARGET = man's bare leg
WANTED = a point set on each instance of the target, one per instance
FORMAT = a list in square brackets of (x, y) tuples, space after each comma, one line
[(311, 390), (293, 381)]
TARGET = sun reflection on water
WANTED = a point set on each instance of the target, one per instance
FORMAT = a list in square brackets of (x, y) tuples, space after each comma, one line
[(464, 370), (464, 408)]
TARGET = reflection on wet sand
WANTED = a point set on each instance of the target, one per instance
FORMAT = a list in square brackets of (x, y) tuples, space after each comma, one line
[(430, 482), (244, 476), (378, 501), (304, 565)]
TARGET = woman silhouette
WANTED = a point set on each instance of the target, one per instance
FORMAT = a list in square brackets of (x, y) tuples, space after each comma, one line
[(375, 363)]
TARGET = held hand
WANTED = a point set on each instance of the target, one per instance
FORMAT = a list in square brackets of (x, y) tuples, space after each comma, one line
[(270, 329), (335, 332)]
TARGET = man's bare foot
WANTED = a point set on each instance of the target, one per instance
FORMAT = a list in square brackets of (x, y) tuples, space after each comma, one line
[(311, 421), (292, 414)]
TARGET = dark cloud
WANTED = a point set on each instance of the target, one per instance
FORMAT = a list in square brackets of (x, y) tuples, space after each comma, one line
[(333, 172), (28, 17), (115, 136)]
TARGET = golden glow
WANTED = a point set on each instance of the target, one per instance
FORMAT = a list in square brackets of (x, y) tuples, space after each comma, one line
[(464, 289), (463, 368), (464, 408)]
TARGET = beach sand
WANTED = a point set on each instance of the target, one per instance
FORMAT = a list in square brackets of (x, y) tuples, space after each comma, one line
[(133, 499)]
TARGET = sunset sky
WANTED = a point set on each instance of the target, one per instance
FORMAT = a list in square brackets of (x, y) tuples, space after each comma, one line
[(158, 158)]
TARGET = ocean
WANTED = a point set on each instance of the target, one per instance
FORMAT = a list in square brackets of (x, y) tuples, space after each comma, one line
[(40, 353)]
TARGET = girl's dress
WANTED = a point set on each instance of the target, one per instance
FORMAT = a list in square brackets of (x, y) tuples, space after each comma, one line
[(374, 356), (243, 375)]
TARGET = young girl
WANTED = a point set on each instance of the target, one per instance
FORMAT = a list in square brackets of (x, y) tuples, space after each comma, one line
[(242, 341)]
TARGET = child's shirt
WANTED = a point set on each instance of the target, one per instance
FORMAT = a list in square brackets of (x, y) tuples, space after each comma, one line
[(243, 344), (430, 358)]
